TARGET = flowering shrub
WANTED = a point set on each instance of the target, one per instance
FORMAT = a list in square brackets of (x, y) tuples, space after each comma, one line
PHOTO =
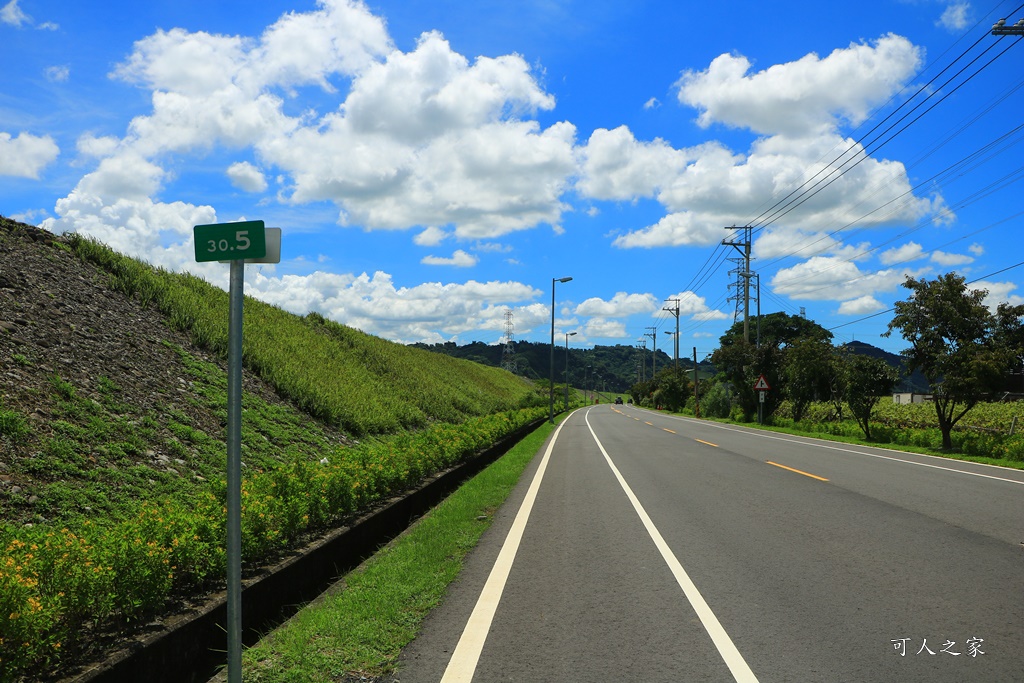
[(54, 582)]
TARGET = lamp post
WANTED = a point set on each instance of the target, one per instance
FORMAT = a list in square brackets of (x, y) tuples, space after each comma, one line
[(551, 373), (567, 335), (676, 347)]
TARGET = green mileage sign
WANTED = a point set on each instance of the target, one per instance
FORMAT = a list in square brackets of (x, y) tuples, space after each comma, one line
[(230, 241)]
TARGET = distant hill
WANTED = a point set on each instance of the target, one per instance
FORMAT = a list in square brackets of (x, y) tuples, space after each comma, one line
[(615, 368), (915, 382)]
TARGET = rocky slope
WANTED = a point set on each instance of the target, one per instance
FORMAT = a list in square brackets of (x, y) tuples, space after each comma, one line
[(77, 357)]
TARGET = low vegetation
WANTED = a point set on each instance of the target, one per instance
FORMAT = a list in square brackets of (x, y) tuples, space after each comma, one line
[(124, 515), (360, 631), (353, 381), (985, 438)]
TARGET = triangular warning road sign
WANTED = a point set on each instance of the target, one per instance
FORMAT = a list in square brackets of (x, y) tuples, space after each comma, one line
[(761, 384)]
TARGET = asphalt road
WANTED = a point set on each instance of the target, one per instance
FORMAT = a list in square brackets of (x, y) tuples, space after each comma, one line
[(643, 547)]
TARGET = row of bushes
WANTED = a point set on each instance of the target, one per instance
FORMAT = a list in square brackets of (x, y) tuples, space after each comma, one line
[(57, 584), (985, 432)]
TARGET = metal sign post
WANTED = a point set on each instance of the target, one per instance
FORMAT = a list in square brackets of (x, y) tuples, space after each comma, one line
[(762, 388), (241, 243), (234, 546)]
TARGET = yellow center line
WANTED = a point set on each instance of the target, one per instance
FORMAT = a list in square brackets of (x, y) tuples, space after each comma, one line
[(669, 431), (806, 474), (707, 442), (648, 423)]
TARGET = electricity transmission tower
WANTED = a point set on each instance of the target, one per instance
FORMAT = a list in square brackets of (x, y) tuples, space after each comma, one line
[(508, 353)]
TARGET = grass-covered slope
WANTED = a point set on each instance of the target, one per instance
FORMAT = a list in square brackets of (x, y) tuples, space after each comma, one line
[(112, 427), (356, 382)]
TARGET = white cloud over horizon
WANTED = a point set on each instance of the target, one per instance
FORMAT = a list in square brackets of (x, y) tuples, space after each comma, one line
[(445, 147)]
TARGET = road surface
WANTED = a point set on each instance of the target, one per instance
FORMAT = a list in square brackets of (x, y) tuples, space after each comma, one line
[(644, 547)]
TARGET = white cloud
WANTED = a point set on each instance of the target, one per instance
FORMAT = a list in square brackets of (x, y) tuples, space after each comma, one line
[(774, 243), (418, 96), (621, 305), (652, 103), (946, 259), (825, 278), (617, 166), (26, 155), (424, 138), (602, 328), (861, 306), (377, 306), (797, 108), (493, 247), (690, 304), (430, 237), (998, 293), (716, 185), (956, 17), (57, 74), (801, 96), (976, 249), (92, 146), (675, 229), (911, 251), (245, 176), (459, 259), (12, 15), (137, 227)]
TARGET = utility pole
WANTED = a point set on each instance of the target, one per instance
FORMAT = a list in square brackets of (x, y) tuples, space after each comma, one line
[(696, 396), (757, 276), (1001, 29), (743, 247), (653, 334), (675, 311), (641, 346)]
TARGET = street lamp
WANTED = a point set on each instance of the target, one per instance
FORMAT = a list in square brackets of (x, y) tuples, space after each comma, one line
[(567, 335), (676, 354), (551, 373)]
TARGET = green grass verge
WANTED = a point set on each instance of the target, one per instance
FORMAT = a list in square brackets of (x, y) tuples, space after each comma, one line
[(362, 627)]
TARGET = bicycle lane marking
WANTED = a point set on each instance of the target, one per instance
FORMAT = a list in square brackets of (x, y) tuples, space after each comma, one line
[(726, 648), (462, 666)]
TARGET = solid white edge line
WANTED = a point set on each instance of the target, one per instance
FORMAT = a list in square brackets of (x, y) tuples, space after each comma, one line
[(811, 441), (462, 666), (733, 659)]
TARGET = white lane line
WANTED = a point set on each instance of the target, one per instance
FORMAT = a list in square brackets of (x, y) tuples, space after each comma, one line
[(733, 659), (816, 443), (463, 663)]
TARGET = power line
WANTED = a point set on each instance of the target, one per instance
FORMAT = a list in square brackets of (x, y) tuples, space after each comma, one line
[(890, 310)]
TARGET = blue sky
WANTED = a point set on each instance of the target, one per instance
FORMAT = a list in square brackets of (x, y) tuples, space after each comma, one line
[(435, 164)]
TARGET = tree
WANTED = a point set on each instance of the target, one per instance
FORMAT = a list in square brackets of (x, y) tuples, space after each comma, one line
[(865, 380), (672, 388), (808, 368), (956, 342), (744, 362)]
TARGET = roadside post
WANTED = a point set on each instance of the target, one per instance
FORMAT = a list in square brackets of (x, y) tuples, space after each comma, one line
[(762, 388), (236, 244)]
